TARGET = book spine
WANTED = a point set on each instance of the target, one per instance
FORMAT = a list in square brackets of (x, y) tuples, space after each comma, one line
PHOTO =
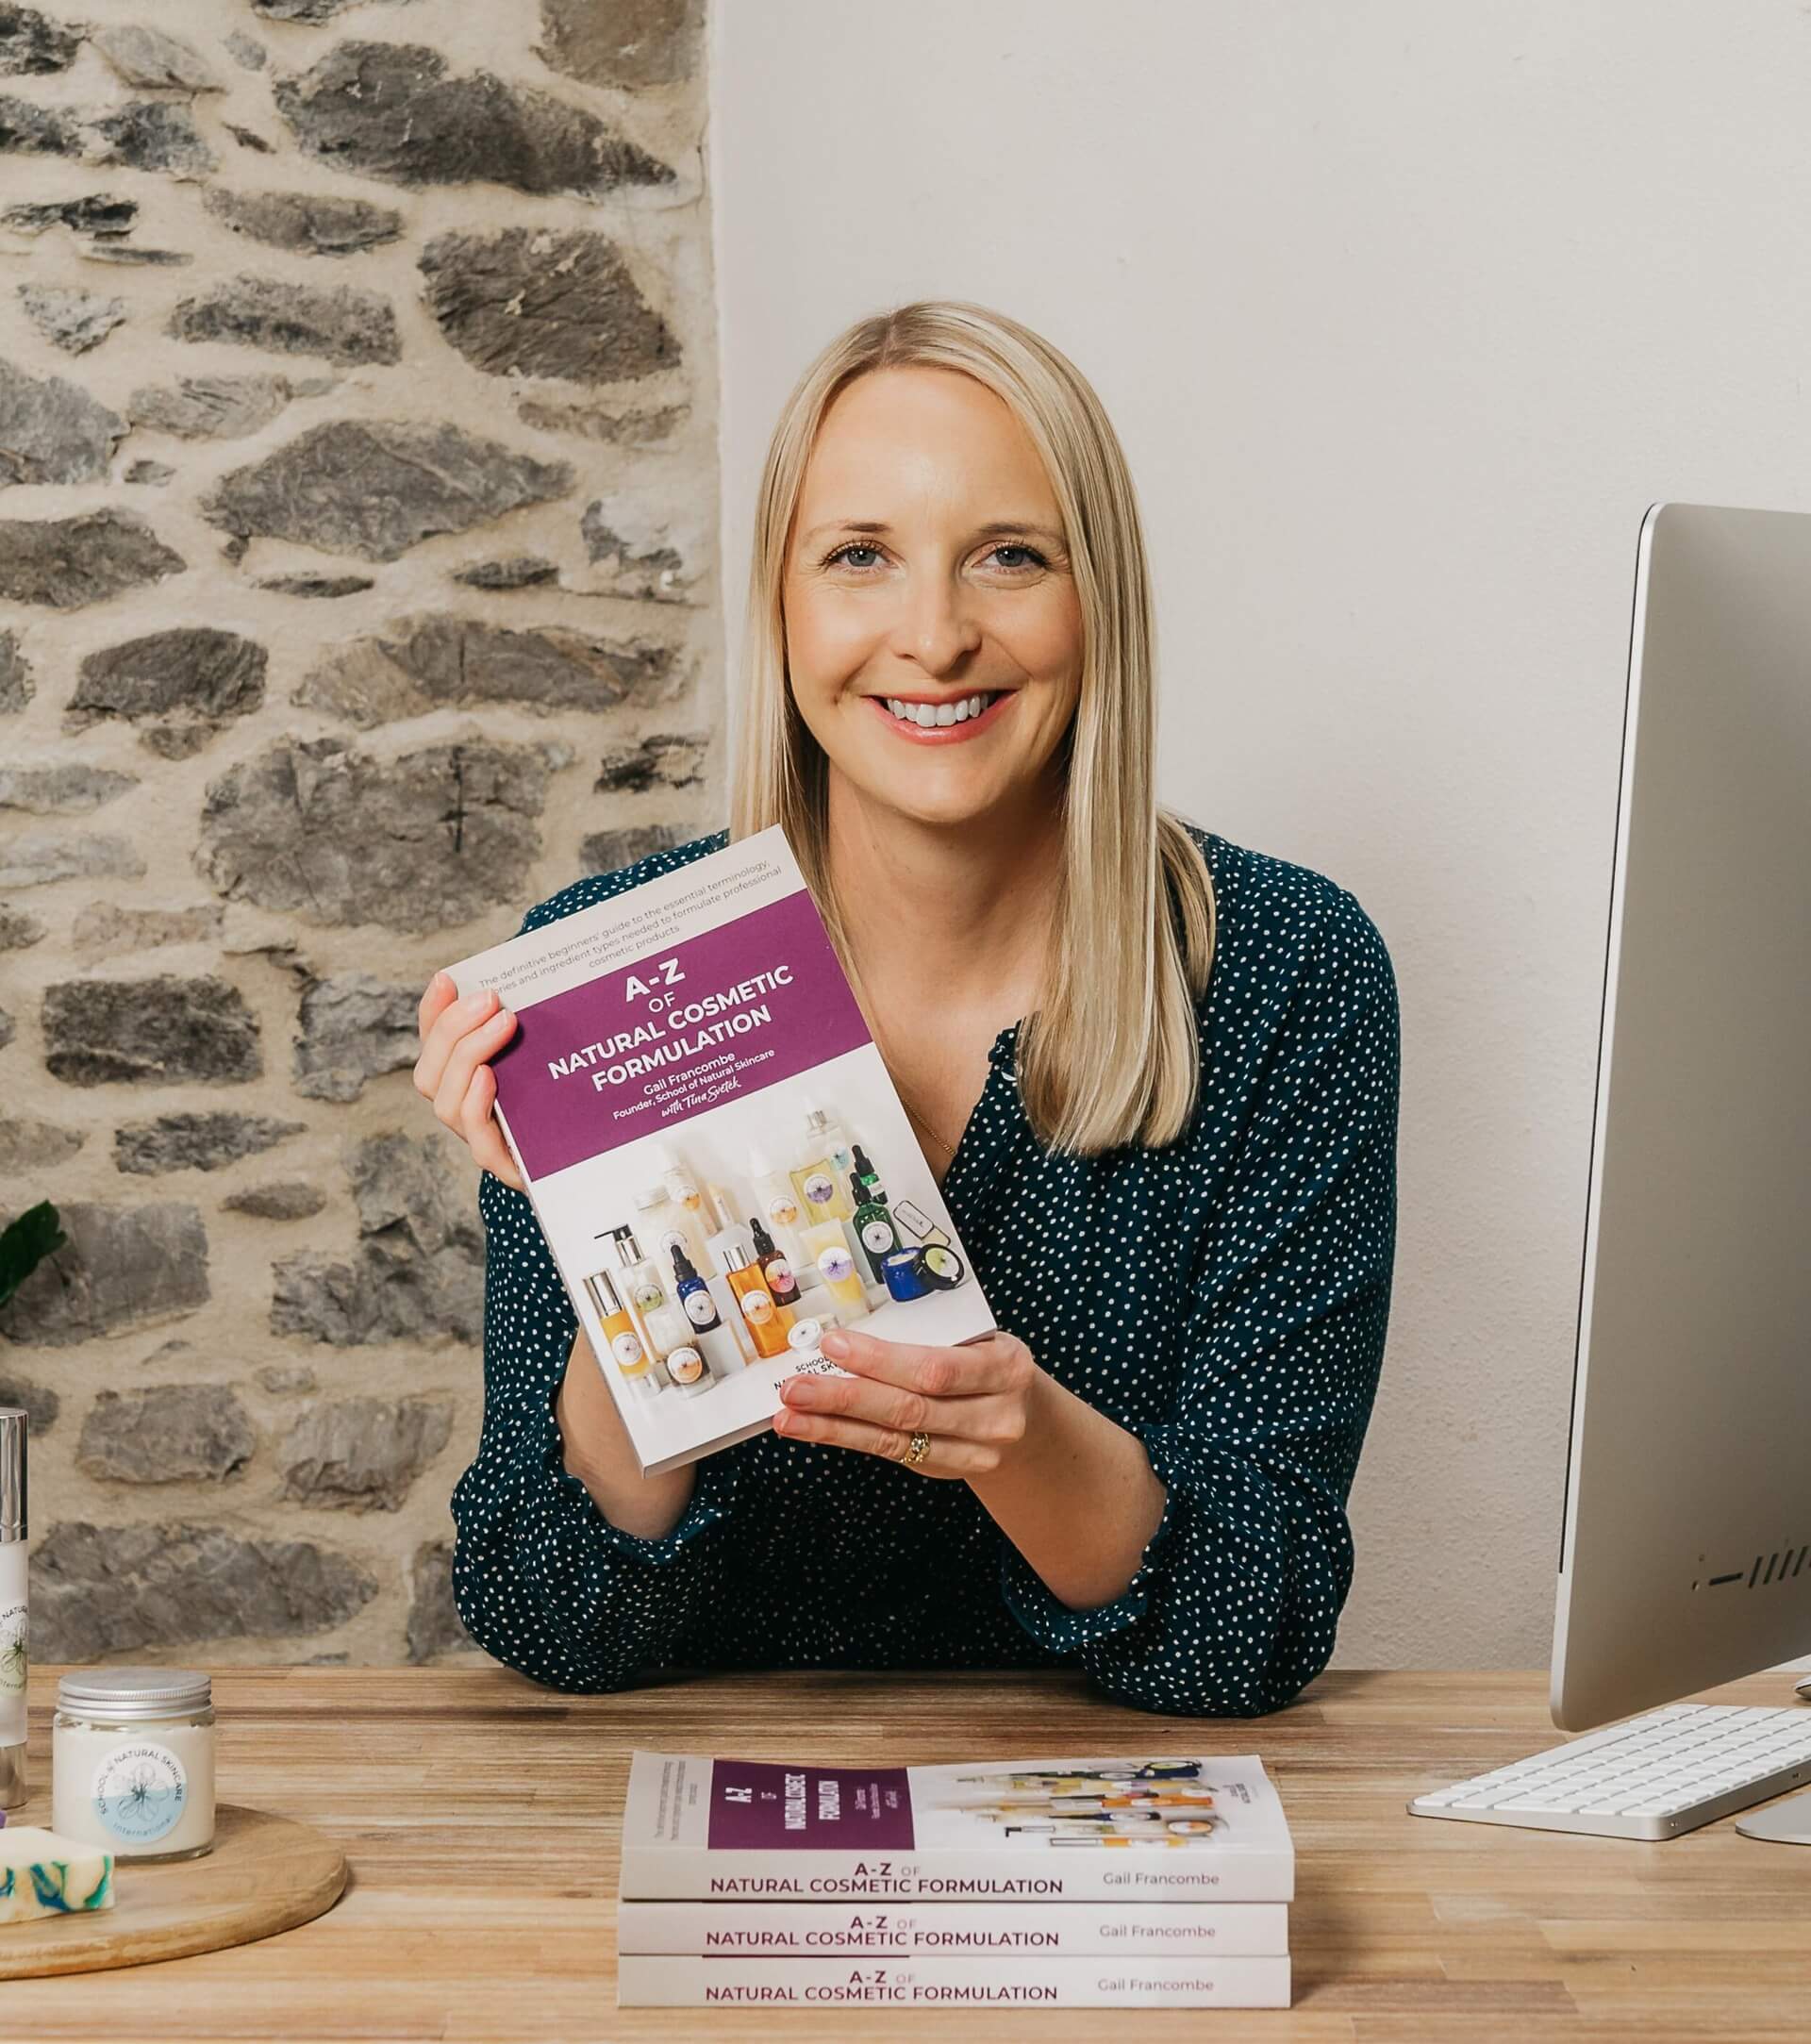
[(649, 1981), (1146, 1874), (841, 1929)]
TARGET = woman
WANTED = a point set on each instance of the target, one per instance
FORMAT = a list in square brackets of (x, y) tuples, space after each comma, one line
[(1154, 1073)]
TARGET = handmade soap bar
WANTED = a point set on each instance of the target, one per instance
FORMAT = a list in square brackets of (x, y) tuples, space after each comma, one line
[(44, 1876)]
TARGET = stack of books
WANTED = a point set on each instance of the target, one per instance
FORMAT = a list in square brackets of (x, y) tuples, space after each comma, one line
[(1134, 1883)]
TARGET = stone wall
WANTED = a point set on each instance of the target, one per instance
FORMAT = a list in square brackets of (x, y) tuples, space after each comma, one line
[(357, 587)]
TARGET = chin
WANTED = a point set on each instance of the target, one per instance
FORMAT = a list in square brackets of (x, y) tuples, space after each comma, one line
[(947, 807)]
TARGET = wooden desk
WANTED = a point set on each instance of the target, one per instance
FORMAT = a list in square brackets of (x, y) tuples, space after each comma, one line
[(1404, 1927)]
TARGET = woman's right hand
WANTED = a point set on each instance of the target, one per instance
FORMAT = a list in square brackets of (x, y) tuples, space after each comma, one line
[(459, 1039)]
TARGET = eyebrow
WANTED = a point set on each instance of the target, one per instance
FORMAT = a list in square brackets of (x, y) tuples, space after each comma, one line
[(988, 531)]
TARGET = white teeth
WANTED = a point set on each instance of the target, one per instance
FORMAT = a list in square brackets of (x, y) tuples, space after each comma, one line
[(928, 716)]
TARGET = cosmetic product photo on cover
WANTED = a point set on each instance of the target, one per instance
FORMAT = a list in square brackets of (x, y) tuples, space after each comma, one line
[(713, 1147)]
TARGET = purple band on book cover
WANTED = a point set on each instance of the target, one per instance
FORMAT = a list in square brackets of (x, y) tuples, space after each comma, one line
[(572, 1084), (758, 1806)]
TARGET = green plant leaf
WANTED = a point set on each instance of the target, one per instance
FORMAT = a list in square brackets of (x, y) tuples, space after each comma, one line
[(24, 1242)]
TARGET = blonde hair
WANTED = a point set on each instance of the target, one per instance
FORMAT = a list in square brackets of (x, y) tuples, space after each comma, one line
[(1110, 1055)]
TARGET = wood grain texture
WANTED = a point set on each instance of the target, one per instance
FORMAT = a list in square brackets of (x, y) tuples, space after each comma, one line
[(265, 1874), (480, 1815)]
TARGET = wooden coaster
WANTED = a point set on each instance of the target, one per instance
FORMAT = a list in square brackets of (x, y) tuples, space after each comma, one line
[(265, 1874)]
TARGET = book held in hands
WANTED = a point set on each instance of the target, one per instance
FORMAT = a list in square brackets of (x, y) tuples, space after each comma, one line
[(713, 1148)]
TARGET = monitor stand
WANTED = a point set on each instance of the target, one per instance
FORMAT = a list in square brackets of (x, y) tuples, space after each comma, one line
[(1782, 1823)]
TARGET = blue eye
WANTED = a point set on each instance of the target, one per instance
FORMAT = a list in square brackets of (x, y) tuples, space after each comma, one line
[(1001, 546)]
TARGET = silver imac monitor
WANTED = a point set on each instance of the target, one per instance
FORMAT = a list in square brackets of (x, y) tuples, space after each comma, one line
[(1685, 1555)]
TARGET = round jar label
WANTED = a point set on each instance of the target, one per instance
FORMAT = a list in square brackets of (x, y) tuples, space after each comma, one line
[(783, 1210), (836, 1264), (819, 1188), (878, 1234), (700, 1308), (140, 1791), (627, 1350), (759, 1308)]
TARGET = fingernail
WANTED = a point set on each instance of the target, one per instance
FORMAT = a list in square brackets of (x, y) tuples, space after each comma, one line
[(835, 1344)]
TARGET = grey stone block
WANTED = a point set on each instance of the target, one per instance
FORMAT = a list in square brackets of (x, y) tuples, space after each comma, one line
[(102, 1591), (105, 930), (93, 213), (75, 321), (40, 858), (606, 850), (122, 1266), (28, 1144), (391, 109), (320, 587), (181, 687), (171, 1433), (343, 323), (30, 130), (375, 488), (154, 59), (192, 1142), (647, 426), (67, 563), (156, 1031), (32, 43), (630, 45), (209, 408), (434, 660), (354, 1026), (15, 676), (284, 1199), (519, 572), (363, 1453), (288, 1380), (424, 841), (154, 135), (529, 302), (63, 788), (435, 1627), (418, 1270), (305, 220), (40, 1404), (52, 431)]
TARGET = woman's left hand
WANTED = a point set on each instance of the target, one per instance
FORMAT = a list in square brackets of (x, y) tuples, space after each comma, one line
[(974, 1402)]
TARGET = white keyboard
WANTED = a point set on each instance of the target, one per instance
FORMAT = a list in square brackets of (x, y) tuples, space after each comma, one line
[(1648, 1777)]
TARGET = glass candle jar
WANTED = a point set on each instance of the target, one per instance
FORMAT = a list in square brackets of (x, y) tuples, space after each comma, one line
[(132, 1761)]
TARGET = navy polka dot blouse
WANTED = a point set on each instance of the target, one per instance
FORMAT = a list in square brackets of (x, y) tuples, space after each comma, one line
[(1225, 1299)]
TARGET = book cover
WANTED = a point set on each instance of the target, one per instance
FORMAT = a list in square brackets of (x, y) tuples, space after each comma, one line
[(1179, 1828), (822, 1930), (713, 1147), (648, 1980)]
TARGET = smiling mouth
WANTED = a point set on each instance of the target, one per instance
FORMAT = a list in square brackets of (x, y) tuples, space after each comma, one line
[(939, 716)]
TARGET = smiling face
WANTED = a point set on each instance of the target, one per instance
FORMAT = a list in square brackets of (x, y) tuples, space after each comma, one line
[(933, 630)]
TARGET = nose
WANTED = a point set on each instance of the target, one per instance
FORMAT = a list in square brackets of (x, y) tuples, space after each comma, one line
[(935, 627)]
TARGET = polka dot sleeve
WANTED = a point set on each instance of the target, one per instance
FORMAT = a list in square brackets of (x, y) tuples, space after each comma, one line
[(1234, 1603), (542, 1579)]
